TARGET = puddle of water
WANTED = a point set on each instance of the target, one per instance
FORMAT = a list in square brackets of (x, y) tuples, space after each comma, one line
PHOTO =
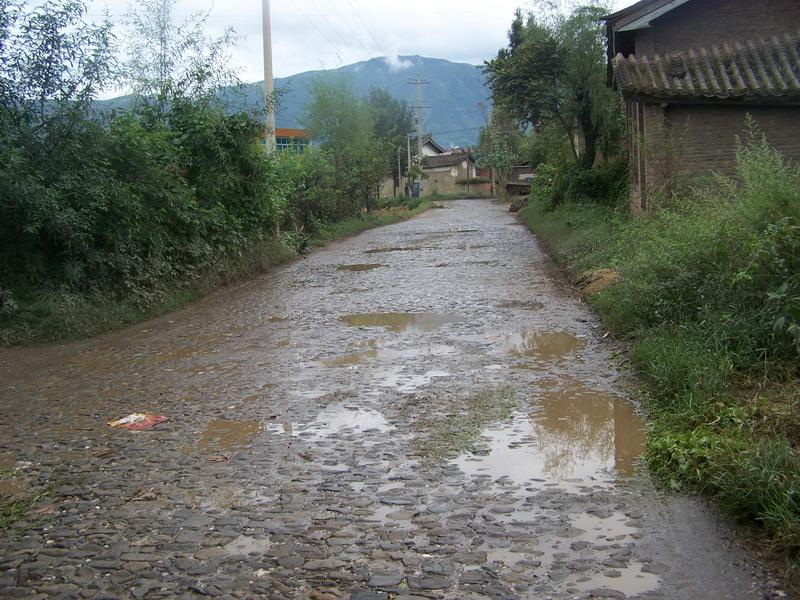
[(392, 249), (226, 435), (574, 433), (399, 322), (542, 344), (12, 487), (631, 581), (335, 419), (407, 383), (359, 267), (349, 360)]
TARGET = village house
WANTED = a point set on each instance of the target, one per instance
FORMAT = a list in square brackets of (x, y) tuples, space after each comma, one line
[(691, 71), (449, 172)]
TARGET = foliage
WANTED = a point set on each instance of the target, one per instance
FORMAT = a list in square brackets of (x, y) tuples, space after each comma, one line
[(105, 220), (708, 293), (168, 60), (553, 71), (344, 127), (392, 123)]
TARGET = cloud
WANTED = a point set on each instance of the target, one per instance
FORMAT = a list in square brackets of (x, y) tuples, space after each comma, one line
[(398, 63)]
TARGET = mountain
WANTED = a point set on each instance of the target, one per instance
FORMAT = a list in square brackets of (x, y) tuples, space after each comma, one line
[(453, 94)]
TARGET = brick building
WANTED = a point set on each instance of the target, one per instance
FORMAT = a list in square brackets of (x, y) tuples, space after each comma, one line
[(690, 71)]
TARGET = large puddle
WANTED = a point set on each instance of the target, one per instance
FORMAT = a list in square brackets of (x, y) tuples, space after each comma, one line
[(392, 249), (221, 434), (543, 345), (572, 433), (360, 267), (400, 321), (338, 419)]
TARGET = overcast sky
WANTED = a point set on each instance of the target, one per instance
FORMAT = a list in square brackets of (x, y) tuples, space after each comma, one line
[(324, 34)]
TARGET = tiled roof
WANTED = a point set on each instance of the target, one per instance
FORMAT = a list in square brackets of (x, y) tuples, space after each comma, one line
[(768, 68), (448, 159)]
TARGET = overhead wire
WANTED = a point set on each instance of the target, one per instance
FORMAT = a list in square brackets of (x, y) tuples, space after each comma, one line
[(322, 33), (377, 44), (350, 29), (335, 29)]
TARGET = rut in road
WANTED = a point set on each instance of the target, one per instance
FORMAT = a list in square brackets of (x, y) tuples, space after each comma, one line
[(417, 411)]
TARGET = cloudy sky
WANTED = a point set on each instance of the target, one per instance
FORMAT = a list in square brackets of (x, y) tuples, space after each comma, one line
[(324, 34)]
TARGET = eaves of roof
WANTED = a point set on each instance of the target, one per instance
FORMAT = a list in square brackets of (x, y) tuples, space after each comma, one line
[(743, 69)]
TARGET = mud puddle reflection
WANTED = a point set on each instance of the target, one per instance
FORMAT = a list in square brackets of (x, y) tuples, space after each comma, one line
[(543, 345), (399, 322), (572, 434), (337, 419), (359, 268), (221, 434)]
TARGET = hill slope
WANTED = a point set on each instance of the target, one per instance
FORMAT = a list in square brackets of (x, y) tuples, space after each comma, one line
[(453, 94)]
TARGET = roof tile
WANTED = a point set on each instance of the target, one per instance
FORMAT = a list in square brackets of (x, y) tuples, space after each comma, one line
[(768, 68)]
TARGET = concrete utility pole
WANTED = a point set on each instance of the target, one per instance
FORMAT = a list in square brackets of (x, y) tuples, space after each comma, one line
[(399, 172), (419, 106), (269, 86)]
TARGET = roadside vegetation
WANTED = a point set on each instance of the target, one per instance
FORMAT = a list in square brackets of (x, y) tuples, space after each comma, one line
[(706, 287), (108, 218)]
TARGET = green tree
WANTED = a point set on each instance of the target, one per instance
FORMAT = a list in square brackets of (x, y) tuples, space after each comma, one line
[(52, 62), (169, 59), (393, 122), (554, 70), (343, 125)]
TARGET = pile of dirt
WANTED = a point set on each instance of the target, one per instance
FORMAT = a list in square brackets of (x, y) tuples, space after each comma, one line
[(592, 282)]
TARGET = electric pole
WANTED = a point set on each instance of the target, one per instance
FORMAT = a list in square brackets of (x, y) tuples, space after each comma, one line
[(419, 105), (269, 89)]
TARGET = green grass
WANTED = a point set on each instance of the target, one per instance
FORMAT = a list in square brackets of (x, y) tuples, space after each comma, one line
[(709, 297), (453, 425), (57, 316)]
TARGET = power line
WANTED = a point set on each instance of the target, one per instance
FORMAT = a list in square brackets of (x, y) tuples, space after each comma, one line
[(327, 39), (354, 34), (335, 30), (383, 53)]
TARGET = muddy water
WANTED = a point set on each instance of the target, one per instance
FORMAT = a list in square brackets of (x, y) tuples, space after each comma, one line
[(446, 424)]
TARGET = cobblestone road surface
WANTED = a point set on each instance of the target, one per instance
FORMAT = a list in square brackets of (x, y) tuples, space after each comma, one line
[(419, 411)]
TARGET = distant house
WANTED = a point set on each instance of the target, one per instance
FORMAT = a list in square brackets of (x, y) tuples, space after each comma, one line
[(448, 172), (431, 147), (290, 140), (690, 71)]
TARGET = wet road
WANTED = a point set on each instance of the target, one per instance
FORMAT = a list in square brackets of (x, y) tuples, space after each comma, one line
[(419, 411)]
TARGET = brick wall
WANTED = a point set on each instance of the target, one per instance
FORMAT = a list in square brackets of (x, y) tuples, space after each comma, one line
[(702, 23), (708, 133)]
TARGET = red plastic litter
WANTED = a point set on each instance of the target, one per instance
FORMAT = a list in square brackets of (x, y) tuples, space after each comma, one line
[(138, 421)]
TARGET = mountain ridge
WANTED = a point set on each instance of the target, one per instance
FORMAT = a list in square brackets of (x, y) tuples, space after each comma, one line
[(453, 94)]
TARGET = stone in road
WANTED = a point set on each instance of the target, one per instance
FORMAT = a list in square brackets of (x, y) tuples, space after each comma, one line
[(419, 411)]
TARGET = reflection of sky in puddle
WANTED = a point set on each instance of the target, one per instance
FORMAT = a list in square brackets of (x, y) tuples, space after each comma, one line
[(336, 419), (399, 322), (226, 435), (546, 345), (389, 354), (407, 383), (574, 433)]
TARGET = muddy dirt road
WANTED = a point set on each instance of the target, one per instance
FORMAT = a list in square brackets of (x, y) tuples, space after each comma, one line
[(419, 411)]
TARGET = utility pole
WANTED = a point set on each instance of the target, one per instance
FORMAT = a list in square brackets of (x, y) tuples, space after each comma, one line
[(419, 105), (482, 105), (399, 172), (269, 86)]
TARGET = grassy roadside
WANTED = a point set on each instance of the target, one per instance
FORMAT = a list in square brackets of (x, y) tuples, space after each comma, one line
[(707, 291), (60, 316)]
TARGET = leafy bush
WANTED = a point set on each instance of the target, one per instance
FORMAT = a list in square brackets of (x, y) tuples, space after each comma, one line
[(709, 293)]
